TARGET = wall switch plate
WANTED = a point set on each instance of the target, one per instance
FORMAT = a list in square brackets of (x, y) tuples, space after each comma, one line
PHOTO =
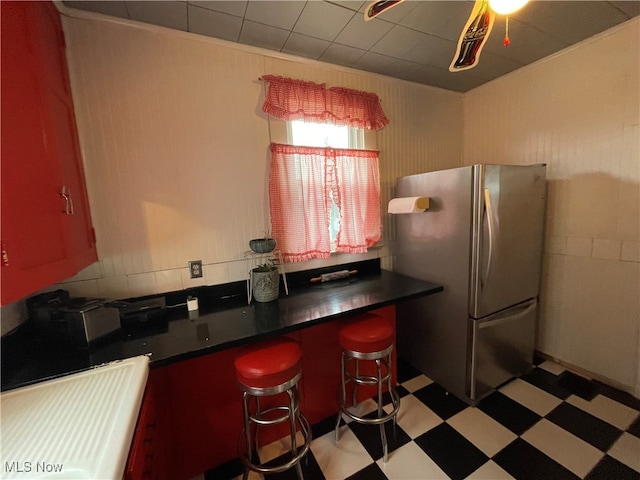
[(195, 269)]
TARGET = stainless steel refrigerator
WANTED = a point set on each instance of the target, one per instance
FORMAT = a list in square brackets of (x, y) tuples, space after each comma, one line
[(481, 238)]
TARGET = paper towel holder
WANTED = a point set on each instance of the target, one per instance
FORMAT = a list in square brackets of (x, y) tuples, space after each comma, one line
[(408, 205)]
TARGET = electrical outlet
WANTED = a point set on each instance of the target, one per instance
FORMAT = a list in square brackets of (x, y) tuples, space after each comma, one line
[(195, 269)]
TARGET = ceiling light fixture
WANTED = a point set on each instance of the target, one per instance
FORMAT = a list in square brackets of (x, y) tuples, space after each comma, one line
[(506, 7)]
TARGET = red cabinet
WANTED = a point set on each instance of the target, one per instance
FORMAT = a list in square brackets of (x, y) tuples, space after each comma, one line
[(148, 456), (46, 230)]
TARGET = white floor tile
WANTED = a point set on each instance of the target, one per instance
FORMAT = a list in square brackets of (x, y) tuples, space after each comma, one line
[(409, 462), (530, 396), (361, 409), (564, 447), (338, 461), (277, 448), (482, 430), (490, 471), (417, 383), (606, 409), (415, 418), (552, 367), (627, 450)]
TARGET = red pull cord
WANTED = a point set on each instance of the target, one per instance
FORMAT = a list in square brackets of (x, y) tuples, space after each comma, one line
[(506, 40)]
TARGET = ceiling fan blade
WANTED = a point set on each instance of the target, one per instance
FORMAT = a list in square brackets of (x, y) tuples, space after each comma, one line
[(473, 37), (376, 8)]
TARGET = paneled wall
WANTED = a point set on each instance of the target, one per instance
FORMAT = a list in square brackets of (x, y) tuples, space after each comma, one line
[(176, 149), (578, 113)]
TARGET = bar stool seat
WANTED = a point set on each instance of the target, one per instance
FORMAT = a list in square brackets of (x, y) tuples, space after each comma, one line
[(367, 337), (271, 368)]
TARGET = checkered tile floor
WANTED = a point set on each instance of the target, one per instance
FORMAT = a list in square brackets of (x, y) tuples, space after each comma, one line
[(549, 424)]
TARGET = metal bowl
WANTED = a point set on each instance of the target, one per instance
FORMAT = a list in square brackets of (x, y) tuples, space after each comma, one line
[(262, 245)]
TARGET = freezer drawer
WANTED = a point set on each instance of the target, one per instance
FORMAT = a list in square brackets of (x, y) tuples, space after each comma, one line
[(501, 348)]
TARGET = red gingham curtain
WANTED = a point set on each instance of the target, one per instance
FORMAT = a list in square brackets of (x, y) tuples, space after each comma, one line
[(300, 182), (289, 99)]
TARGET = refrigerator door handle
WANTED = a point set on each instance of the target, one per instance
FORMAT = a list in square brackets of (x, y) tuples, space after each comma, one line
[(509, 317), (492, 233)]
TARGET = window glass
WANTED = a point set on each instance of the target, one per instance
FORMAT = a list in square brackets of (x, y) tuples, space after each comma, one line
[(326, 135)]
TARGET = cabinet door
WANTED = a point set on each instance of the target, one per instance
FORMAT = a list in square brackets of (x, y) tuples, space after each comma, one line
[(43, 240)]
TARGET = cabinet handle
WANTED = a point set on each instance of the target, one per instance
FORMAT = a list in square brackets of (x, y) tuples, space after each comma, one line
[(66, 194), (5, 256)]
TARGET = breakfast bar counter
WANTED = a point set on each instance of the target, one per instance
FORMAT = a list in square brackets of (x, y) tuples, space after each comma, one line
[(216, 326)]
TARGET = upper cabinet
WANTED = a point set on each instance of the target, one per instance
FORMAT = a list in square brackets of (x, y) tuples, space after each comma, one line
[(46, 230)]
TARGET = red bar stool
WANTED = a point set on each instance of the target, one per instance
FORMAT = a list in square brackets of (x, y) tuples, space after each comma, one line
[(367, 338), (272, 368)]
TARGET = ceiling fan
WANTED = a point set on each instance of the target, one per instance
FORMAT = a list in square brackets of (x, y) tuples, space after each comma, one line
[(475, 32)]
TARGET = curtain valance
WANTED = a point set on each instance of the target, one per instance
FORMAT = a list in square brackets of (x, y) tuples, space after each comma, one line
[(289, 99)]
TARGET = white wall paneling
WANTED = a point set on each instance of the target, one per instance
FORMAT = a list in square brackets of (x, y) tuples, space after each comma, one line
[(175, 148), (578, 112)]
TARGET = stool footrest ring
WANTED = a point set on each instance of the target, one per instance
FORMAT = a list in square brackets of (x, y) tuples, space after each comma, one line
[(302, 451)]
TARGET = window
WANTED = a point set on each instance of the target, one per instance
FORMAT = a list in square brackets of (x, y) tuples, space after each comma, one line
[(326, 135), (324, 182)]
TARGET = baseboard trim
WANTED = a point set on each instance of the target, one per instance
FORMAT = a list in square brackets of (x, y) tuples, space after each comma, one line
[(589, 374)]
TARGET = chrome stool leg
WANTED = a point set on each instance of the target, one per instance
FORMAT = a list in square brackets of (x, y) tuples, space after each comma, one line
[(383, 376)]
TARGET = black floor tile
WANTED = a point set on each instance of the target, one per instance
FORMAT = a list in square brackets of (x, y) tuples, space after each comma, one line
[(369, 436), (634, 428), (513, 415), (548, 382), (618, 395), (453, 453), (372, 472), (577, 385), (324, 426), (310, 468), (402, 392), (440, 401), (525, 462), (538, 359), (610, 469), (226, 471), (405, 371), (583, 425)]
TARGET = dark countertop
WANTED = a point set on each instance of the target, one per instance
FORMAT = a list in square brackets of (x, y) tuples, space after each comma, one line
[(216, 327)]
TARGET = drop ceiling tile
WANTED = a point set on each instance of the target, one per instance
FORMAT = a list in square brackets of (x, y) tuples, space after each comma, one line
[(342, 55), (115, 9), (264, 36), (492, 66), (394, 14), (456, 81), (304, 46), (441, 19), (235, 7), (166, 14), (630, 8), (569, 22), (407, 44), (354, 5), (214, 24), (374, 62), (527, 45), (361, 34), (276, 14), (323, 20)]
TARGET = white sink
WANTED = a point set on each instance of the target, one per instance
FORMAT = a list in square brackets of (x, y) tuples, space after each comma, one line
[(76, 427)]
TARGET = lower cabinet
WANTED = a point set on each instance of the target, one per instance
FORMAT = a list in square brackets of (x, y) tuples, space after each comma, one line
[(191, 416), (151, 441)]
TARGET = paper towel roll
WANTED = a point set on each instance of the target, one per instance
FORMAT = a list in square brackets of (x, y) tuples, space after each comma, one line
[(408, 205)]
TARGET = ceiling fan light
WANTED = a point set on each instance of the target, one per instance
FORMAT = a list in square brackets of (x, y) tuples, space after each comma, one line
[(506, 7)]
